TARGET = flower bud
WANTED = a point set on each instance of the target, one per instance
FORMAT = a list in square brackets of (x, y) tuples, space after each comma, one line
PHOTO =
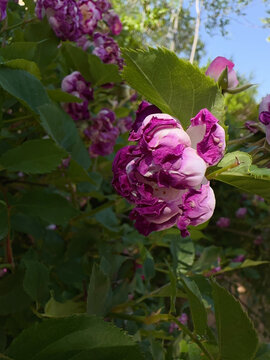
[(223, 222), (217, 67), (264, 116)]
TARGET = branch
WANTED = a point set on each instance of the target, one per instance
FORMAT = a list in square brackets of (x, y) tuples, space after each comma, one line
[(196, 33)]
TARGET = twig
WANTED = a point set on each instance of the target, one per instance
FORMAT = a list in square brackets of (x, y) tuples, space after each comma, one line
[(196, 33)]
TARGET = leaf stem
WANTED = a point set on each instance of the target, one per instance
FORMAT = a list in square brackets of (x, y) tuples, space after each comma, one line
[(220, 171)]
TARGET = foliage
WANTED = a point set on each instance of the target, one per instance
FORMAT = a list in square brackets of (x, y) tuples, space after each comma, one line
[(76, 279)]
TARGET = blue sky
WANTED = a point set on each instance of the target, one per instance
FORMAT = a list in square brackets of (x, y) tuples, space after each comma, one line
[(246, 45)]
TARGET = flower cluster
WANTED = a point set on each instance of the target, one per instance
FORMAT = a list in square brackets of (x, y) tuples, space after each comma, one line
[(102, 133), (164, 173), (76, 85), (264, 115), (3, 9), (77, 20)]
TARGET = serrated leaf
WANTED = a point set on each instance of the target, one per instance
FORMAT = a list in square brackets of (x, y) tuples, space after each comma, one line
[(63, 131), (183, 253), (247, 183), (57, 309), (61, 96), (244, 160), (33, 157), (259, 173), (78, 337), (172, 84), (98, 292), (237, 338), (19, 50), (52, 208), (24, 86), (90, 66), (198, 312), (27, 65), (247, 263), (36, 280)]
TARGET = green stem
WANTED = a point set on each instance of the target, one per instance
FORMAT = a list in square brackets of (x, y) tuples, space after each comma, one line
[(191, 335), (17, 119), (220, 171), (22, 23)]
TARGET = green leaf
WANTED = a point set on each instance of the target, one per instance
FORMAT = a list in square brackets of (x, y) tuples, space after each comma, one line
[(247, 183), (33, 157), (174, 85), (244, 160), (3, 220), (237, 338), (19, 50), (36, 280), (13, 298), (55, 309), (183, 253), (247, 263), (23, 64), (24, 86), (198, 312), (61, 96), (259, 173), (52, 208), (90, 66), (98, 293), (108, 219), (63, 131), (78, 337), (208, 257)]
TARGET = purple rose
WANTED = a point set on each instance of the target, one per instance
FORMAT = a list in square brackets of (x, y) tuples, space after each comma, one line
[(76, 85), (113, 21), (223, 222), (102, 133), (107, 49), (90, 16), (102, 5), (164, 174), (198, 207), (208, 137), (63, 16), (124, 124), (264, 115), (216, 68), (183, 319), (241, 212), (3, 9)]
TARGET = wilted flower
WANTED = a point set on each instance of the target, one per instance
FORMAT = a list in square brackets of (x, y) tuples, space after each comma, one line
[(113, 21), (252, 126), (63, 16), (223, 222), (3, 9), (102, 133), (164, 174), (107, 49), (90, 16), (76, 85), (264, 115), (217, 66), (241, 212)]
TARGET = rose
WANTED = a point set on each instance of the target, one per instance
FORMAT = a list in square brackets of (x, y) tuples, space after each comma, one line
[(241, 212), (76, 85), (223, 222), (102, 133), (3, 9), (264, 115), (217, 66), (113, 21), (163, 174)]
